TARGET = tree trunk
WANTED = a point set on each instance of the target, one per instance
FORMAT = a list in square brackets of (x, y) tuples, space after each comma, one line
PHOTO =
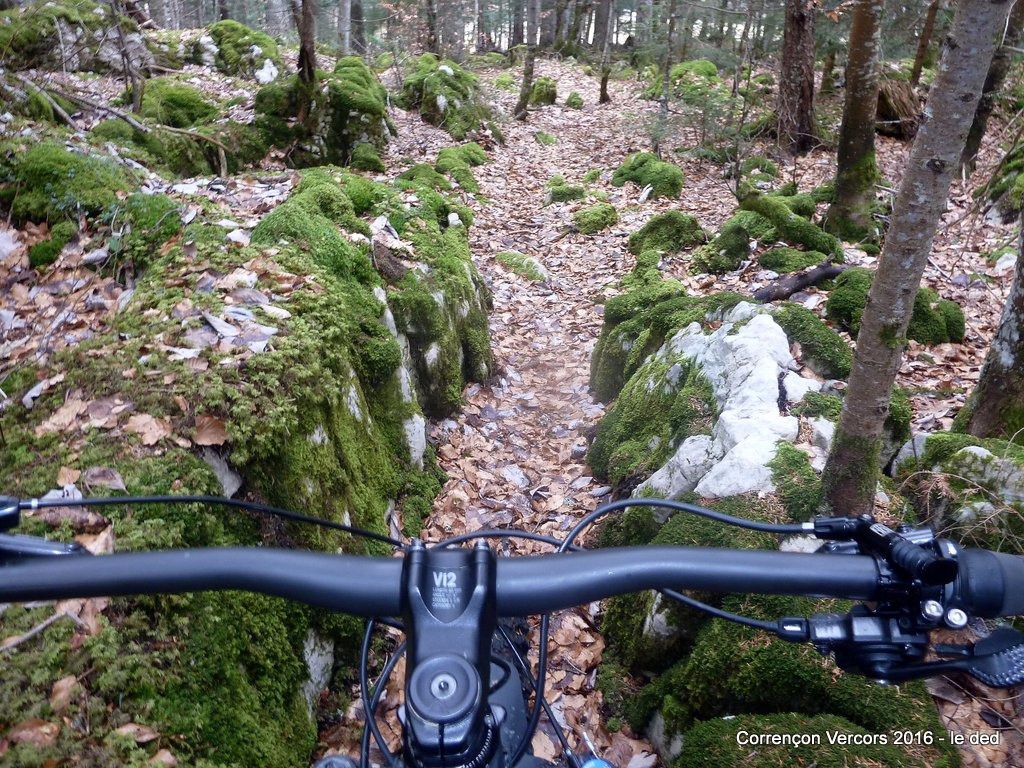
[(924, 42), (993, 82), (304, 14), (602, 16), (430, 13), (516, 37), (345, 27), (796, 81), (532, 22), (996, 407), (850, 214), (828, 72), (606, 46), (666, 80), (222, 10), (851, 472), (358, 30), (899, 109)]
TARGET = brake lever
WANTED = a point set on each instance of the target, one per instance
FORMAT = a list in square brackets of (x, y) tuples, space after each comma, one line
[(18, 547), (997, 660)]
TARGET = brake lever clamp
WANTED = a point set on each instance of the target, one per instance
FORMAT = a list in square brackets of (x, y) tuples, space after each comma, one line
[(10, 512)]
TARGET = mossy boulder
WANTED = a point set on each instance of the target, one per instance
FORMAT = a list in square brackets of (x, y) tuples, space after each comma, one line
[(646, 169), (823, 350), (348, 109), (235, 49), (731, 246), (72, 35), (670, 232), (933, 320), (365, 158), (544, 92), (574, 101), (506, 82), (142, 224), (51, 183), (595, 218), (738, 670), (691, 81), (445, 95), (1006, 190), (170, 102), (792, 227), (785, 259), (561, 193)]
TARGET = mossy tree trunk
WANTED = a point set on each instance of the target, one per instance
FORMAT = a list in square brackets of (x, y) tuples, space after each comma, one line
[(516, 35), (996, 407), (924, 42), (828, 72), (358, 28), (430, 19), (606, 44), (993, 82), (304, 12), (796, 79), (849, 216), (602, 24), (851, 472)]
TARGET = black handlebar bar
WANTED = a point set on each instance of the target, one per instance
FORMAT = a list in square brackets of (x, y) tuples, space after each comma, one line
[(990, 584)]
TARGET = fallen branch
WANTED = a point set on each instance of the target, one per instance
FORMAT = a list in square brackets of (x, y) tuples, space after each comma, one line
[(785, 287), (58, 110)]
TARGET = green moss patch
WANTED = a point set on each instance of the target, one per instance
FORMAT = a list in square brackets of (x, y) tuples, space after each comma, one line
[(506, 82), (544, 91), (933, 320), (50, 183), (458, 161), (785, 259), (644, 168), (670, 232), (824, 351), (44, 253), (792, 227), (521, 264), (169, 102), (561, 193), (574, 101), (446, 95), (595, 218)]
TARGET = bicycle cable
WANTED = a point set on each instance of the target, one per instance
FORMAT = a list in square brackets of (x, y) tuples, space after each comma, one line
[(371, 701), (107, 501)]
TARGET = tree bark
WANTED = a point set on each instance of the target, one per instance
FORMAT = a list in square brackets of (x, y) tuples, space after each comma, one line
[(796, 81), (358, 30), (851, 471), (924, 42), (666, 79), (222, 10), (532, 22), (516, 37), (606, 46), (304, 12), (828, 72), (997, 72), (850, 214), (344, 27), (602, 17), (430, 13), (996, 407)]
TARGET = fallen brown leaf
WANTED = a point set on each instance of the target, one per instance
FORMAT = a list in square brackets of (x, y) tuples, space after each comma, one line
[(142, 734), (105, 477), (210, 431), (60, 694), (36, 732), (150, 429)]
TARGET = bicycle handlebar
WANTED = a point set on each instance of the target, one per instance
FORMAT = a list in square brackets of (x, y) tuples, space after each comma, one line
[(990, 584)]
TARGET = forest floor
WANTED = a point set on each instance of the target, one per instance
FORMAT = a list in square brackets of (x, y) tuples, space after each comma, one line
[(515, 454)]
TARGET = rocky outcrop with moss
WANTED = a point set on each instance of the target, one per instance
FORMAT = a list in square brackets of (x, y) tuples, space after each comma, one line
[(75, 35), (300, 366), (932, 321), (446, 95), (348, 109), (235, 49), (667, 232), (1006, 190)]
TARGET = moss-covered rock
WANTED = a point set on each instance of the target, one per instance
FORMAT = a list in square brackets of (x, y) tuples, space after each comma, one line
[(785, 259), (1006, 190), (933, 320), (670, 232), (691, 81), (365, 158), (644, 168), (74, 35), (731, 246), (595, 218), (446, 95), (735, 669), (142, 225), (235, 49), (824, 351), (170, 102), (506, 82), (50, 183), (523, 265), (561, 193), (574, 101), (544, 91), (348, 109)]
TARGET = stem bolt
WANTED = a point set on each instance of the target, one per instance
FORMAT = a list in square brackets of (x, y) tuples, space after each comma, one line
[(932, 610), (956, 618)]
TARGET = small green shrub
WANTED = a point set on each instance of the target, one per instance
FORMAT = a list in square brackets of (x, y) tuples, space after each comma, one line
[(592, 220), (574, 101)]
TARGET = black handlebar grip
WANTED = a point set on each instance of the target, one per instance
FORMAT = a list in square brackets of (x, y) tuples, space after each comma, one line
[(922, 563), (991, 583)]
